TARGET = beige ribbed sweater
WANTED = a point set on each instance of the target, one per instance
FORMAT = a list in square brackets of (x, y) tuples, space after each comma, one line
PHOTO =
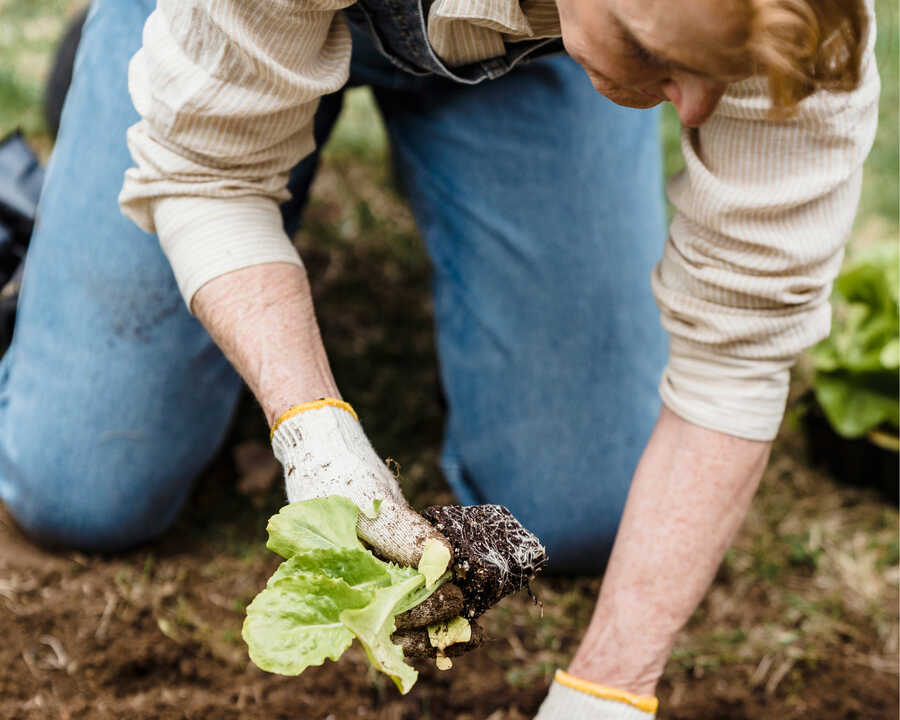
[(227, 90)]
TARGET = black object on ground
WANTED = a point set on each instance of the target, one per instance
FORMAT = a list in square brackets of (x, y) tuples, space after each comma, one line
[(853, 461), (21, 178), (493, 554)]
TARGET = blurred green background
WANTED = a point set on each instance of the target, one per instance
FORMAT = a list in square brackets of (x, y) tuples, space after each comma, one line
[(30, 29)]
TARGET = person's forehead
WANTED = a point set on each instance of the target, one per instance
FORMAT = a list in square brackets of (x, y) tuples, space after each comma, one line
[(711, 18), (697, 33)]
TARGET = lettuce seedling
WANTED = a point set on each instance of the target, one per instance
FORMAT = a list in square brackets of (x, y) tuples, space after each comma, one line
[(329, 590), (856, 380)]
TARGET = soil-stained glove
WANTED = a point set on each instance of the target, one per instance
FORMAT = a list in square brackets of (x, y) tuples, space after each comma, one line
[(324, 451), (571, 698)]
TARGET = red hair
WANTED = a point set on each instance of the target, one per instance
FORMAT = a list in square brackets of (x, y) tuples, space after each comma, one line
[(806, 45)]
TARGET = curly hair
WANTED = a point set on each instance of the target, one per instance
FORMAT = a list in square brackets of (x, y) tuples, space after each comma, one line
[(806, 45)]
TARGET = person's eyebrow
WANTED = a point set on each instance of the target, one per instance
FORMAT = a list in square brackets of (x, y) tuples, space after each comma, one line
[(657, 56)]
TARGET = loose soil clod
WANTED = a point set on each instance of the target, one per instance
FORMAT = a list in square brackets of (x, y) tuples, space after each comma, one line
[(415, 642), (493, 553), (446, 603)]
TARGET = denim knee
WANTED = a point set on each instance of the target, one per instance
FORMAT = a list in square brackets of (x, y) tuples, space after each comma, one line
[(113, 511), (558, 490)]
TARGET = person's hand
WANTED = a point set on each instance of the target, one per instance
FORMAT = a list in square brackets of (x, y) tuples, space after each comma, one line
[(324, 451), (571, 698)]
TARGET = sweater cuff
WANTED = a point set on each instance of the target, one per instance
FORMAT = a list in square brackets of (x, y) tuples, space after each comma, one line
[(739, 397), (207, 237)]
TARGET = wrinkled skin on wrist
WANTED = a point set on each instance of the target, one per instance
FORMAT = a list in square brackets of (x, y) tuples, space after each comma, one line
[(639, 53), (262, 319)]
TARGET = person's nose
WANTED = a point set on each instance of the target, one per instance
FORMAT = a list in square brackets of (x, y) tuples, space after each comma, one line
[(694, 96)]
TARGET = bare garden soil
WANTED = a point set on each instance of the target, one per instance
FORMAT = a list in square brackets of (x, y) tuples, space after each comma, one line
[(156, 634), (801, 621)]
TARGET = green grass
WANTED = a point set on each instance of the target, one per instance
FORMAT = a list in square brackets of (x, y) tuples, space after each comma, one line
[(881, 186), (19, 104), (360, 133), (29, 32), (670, 136)]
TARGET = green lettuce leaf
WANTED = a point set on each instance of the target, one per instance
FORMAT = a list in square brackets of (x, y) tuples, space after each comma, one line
[(374, 624), (329, 590), (434, 562), (319, 523), (443, 635), (357, 567), (856, 405), (296, 623), (856, 380), (400, 574)]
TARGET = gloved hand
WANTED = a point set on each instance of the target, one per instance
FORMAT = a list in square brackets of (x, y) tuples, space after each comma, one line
[(571, 698), (324, 451)]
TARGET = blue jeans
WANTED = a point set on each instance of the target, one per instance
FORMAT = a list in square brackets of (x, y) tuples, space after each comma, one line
[(541, 206)]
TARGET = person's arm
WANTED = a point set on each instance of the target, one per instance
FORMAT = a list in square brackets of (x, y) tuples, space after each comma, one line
[(689, 495), (263, 320), (687, 500), (764, 208), (227, 93)]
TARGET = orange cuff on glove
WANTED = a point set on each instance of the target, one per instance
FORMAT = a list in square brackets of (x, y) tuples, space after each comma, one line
[(645, 703)]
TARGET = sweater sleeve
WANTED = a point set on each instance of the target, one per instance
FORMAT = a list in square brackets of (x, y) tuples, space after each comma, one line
[(227, 91), (763, 210)]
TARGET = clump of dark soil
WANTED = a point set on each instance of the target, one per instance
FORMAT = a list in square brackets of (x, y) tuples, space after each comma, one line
[(494, 555), (416, 644), (445, 604)]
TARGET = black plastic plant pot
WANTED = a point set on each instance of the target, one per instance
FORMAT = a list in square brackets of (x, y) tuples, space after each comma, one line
[(870, 462)]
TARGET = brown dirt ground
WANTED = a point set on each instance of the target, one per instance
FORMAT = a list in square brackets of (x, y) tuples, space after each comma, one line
[(800, 623), (156, 634)]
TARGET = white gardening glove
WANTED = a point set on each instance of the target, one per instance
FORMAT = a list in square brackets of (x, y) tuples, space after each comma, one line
[(571, 698), (324, 451)]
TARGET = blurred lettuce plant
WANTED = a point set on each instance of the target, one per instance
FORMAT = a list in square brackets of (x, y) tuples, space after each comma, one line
[(856, 380)]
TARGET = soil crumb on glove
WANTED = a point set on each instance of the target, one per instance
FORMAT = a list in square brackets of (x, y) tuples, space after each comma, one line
[(493, 554)]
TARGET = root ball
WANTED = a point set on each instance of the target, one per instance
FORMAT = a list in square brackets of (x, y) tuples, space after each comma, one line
[(493, 553)]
